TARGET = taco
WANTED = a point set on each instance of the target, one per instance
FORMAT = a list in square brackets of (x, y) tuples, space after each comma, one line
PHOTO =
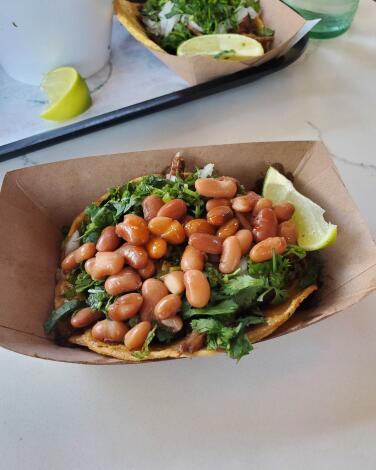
[(177, 265), (169, 23)]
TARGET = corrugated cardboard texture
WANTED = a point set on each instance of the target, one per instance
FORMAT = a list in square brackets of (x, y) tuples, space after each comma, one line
[(35, 202), (194, 70)]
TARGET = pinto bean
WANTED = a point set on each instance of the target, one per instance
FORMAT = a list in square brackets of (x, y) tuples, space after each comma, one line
[(175, 209), (134, 255), (84, 252), (219, 215), (157, 247), (136, 336), (230, 178), (109, 330), (206, 243), (89, 265), (217, 202), (174, 281), (107, 263), (150, 206), (126, 280), (175, 234), (197, 288), (245, 239), (284, 211), (245, 203), (262, 203), (85, 317), (133, 229), (198, 226), (147, 271), (288, 230), (153, 290), (174, 324), (167, 307), (228, 229), (215, 188), (263, 251), (265, 225), (244, 220), (69, 262), (159, 225), (192, 259), (108, 240), (231, 254), (125, 307), (186, 219)]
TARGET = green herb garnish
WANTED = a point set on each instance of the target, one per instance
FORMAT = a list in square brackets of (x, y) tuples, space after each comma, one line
[(144, 352), (206, 17), (68, 308)]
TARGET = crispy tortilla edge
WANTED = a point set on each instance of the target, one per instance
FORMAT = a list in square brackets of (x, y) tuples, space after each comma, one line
[(275, 317)]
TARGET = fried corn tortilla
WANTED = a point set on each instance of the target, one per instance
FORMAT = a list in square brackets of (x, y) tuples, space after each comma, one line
[(128, 14), (274, 318)]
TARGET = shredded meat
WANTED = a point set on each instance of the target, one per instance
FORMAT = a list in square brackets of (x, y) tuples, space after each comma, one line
[(266, 41), (177, 166), (250, 28), (193, 342), (194, 31)]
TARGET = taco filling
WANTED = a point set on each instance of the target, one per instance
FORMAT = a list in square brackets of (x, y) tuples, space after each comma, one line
[(177, 265), (171, 22)]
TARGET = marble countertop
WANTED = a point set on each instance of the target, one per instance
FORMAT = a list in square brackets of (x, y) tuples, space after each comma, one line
[(306, 399)]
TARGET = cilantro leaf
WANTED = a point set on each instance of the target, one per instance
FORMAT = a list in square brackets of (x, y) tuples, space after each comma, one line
[(144, 352), (128, 199), (84, 281), (218, 16), (265, 31), (232, 338), (224, 308), (164, 335), (98, 299), (213, 275)]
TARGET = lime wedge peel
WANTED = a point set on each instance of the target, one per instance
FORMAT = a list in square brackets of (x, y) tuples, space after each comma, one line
[(222, 47), (67, 93), (314, 232)]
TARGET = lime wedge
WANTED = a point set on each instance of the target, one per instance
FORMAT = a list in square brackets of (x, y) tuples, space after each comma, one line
[(67, 93), (222, 46), (314, 232)]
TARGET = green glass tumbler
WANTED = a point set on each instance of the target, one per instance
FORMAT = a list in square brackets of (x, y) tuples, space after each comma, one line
[(336, 15)]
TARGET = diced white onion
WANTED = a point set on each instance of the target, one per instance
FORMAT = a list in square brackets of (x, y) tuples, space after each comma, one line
[(195, 26), (207, 170), (223, 28), (252, 12), (72, 243), (243, 12), (167, 24), (152, 26), (243, 265)]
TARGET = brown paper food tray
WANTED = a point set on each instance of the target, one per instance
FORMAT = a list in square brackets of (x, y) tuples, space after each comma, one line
[(278, 16), (36, 202)]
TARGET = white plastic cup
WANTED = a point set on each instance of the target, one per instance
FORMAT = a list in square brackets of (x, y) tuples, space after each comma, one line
[(37, 36)]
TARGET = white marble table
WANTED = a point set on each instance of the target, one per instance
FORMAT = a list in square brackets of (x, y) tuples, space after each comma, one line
[(306, 400)]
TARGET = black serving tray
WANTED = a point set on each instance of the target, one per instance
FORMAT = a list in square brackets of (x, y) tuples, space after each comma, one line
[(29, 144)]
